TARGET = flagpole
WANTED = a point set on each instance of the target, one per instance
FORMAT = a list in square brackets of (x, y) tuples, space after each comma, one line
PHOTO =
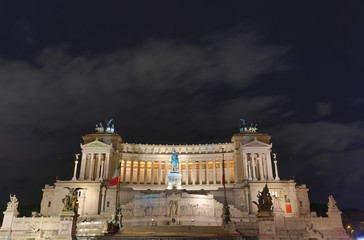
[(226, 212), (116, 222), (118, 199)]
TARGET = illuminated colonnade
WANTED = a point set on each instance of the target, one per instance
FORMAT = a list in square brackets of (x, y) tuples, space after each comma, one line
[(94, 166), (257, 166), (199, 164), (193, 172)]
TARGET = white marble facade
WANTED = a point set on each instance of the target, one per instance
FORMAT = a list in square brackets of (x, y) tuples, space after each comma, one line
[(145, 200)]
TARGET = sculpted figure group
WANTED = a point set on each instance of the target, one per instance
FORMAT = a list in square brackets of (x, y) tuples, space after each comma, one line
[(13, 204), (70, 201), (246, 126), (265, 202), (109, 129)]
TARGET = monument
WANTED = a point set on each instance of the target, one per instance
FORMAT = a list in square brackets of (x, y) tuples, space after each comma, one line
[(230, 189), (174, 177)]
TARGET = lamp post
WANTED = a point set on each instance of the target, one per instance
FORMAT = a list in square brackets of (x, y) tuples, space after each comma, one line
[(225, 210)]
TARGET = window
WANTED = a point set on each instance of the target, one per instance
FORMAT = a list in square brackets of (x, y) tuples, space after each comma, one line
[(107, 204), (49, 204)]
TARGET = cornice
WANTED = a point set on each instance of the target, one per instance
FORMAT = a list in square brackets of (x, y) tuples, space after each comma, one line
[(180, 149)]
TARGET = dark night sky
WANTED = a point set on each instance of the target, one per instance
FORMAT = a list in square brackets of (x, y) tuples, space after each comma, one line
[(183, 72)]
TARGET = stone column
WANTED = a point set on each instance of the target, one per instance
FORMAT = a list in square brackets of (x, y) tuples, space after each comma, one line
[(103, 190), (83, 166), (249, 170), (166, 172), (200, 172), (253, 168), (207, 173), (245, 166), (75, 171), (275, 166), (138, 176), (269, 166), (228, 170), (193, 173), (131, 171), (237, 167), (90, 175), (159, 172), (107, 163), (214, 169), (152, 175), (247, 202), (102, 170), (98, 165), (264, 162), (124, 176), (259, 158), (186, 172), (145, 172)]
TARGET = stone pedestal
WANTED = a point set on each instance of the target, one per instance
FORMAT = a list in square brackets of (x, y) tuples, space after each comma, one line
[(229, 227), (8, 219), (266, 225), (67, 226), (174, 180)]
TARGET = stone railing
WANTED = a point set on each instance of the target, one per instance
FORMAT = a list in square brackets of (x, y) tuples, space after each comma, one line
[(35, 223)]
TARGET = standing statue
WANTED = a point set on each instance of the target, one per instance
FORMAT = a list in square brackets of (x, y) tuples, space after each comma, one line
[(70, 201), (173, 208), (174, 161), (265, 202)]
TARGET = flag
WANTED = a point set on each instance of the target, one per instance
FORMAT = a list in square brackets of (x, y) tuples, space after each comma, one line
[(115, 178)]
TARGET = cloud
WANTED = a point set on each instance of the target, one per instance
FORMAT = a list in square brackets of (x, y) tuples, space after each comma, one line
[(167, 74), (323, 109), (160, 91), (163, 91), (327, 156)]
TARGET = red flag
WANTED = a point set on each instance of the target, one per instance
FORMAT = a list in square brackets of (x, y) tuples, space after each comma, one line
[(115, 178)]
